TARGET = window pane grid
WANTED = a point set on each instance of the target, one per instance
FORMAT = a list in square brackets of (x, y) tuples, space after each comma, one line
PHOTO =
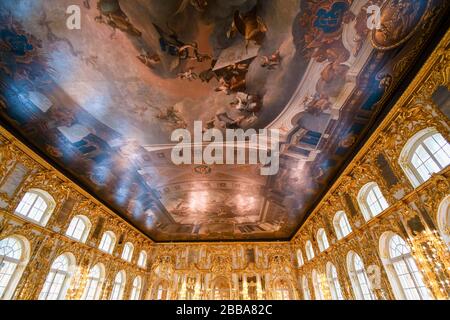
[(142, 261), (376, 201), (136, 291), (77, 228), (107, 243), (431, 156), (317, 286), (32, 206), (344, 226), (407, 272), (117, 289), (362, 281), (336, 291), (94, 284), (54, 283), (309, 250), (306, 292), (7, 269)]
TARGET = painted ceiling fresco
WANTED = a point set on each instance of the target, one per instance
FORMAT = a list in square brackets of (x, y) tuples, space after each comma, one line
[(102, 101)]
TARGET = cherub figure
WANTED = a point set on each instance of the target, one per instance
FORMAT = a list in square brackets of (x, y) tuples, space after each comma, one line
[(173, 117), (149, 60), (271, 62), (224, 86), (188, 75)]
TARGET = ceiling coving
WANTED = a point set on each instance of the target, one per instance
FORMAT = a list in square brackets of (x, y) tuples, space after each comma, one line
[(103, 100)]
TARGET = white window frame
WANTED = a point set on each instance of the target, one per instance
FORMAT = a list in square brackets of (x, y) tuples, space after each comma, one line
[(409, 150), (317, 285), (142, 260), (18, 264), (127, 252), (416, 290), (443, 219), (118, 287), (309, 250), (112, 242), (71, 229), (55, 274), (333, 282), (322, 240), (359, 278), (25, 208), (136, 289), (363, 195), (340, 233), (94, 285), (305, 287)]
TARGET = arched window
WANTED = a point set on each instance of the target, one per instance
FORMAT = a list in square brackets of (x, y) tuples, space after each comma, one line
[(118, 286), (341, 225), (427, 152), (58, 279), (94, 283), (300, 258), (142, 261), (221, 288), (305, 286), (36, 205), (14, 255), (282, 291), (79, 228), (402, 270), (322, 240), (317, 284), (333, 282), (136, 290), (108, 242), (443, 219), (359, 279), (309, 250), (127, 252), (371, 201), (161, 291)]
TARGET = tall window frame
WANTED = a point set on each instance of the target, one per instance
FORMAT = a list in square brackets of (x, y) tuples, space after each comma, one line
[(403, 273), (309, 250), (108, 242), (322, 240), (425, 153), (371, 201), (317, 285), (79, 228), (136, 288), (341, 225), (142, 260), (14, 257), (37, 206), (127, 252), (118, 286), (305, 287), (362, 288), (300, 261), (59, 277), (94, 283), (282, 290), (333, 282)]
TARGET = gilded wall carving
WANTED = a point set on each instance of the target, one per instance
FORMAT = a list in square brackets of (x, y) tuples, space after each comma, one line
[(412, 211), (251, 270)]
